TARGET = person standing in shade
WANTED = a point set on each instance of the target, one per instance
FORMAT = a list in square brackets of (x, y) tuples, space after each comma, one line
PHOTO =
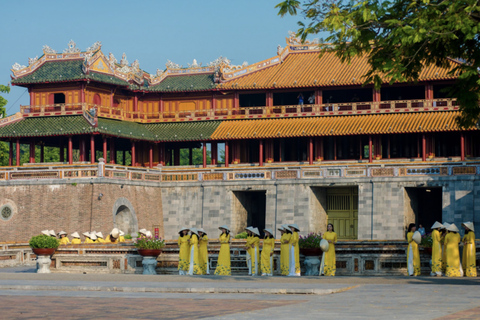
[(469, 263), (267, 253), (413, 255), (421, 229), (203, 251), (452, 239), (284, 249), (223, 262), (248, 248), (436, 249), (194, 266), (184, 251), (63, 238), (330, 266), (255, 252), (294, 255), (76, 238)]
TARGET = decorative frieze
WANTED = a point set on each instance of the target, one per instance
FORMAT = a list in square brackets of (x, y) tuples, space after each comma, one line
[(212, 176), (286, 174), (34, 175), (311, 174), (463, 170), (180, 177), (382, 172)]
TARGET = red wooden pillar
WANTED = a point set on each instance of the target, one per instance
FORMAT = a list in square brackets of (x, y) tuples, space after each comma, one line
[(133, 154), (112, 151), (105, 148), (135, 103), (204, 154), (42, 153), (176, 156), (310, 150), (70, 150), (10, 154), (226, 153), (32, 96), (424, 148), (92, 149), (462, 146), (161, 154), (150, 156), (213, 159), (17, 153), (370, 148), (260, 152), (82, 149), (32, 152), (161, 106), (318, 97)]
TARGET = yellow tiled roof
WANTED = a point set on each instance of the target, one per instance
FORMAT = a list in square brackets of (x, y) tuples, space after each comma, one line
[(308, 70), (338, 125)]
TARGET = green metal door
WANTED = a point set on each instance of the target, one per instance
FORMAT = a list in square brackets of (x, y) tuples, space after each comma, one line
[(342, 211)]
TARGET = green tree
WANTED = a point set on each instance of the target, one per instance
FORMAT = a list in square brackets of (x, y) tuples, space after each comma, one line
[(399, 37), (3, 145)]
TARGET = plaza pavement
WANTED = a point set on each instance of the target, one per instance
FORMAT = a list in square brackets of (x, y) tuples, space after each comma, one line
[(92, 296)]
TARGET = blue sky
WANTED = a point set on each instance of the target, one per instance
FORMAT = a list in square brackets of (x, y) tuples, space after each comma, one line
[(150, 31)]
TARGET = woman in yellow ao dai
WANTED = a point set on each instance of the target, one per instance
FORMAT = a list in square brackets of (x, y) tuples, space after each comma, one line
[(194, 266), (248, 248), (469, 263), (330, 264), (63, 238), (223, 262), (294, 254), (203, 252), (284, 250), (76, 238), (184, 251), (436, 249), (452, 239), (413, 255), (267, 253), (255, 251)]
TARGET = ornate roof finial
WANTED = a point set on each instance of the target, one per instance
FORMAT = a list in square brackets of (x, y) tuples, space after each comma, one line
[(124, 61), (72, 48), (136, 65), (95, 47), (194, 64), (219, 61), (172, 65), (32, 60), (47, 49), (17, 66), (112, 60)]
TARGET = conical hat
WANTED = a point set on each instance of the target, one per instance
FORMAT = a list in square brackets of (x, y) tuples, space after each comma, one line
[(294, 225), (183, 228), (115, 233), (86, 234), (469, 225), (93, 235), (269, 231), (99, 234), (52, 233), (75, 235), (445, 225), (452, 227), (437, 225), (224, 227), (201, 230), (417, 237), (46, 232), (194, 230), (281, 228), (121, 232), (61, 232), (324, 245), (142, 231), (256, 231)]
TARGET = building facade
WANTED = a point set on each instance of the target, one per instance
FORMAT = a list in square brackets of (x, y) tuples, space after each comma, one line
[(296, 138)]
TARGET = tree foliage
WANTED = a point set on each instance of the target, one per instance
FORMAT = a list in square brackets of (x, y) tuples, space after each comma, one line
[(399, 37)]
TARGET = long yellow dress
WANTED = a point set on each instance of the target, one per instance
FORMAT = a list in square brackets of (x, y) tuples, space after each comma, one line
[(203, 254), (294, 259), (330, 260), (284, 253), (109, 238), (469, 255), (184, 254), (413, 256), (76, 241), (255, 255), (223, 263), (64, 240), (194, 267), (248, 246), (452, 240), (444, 255), (268, 246), (436, 252)]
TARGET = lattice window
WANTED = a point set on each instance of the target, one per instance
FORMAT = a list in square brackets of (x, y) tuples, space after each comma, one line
[(338, 202), (6, 212)]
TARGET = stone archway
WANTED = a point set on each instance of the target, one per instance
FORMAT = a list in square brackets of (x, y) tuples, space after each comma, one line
[(124, 216)]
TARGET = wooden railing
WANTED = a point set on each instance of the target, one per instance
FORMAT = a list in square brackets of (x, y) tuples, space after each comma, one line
[(309, 110)]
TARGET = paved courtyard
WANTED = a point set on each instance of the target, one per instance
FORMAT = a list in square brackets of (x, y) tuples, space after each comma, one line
[(90, 296)]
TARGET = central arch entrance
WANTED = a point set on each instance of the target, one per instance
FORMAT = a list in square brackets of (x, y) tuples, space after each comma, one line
[(124, 217)]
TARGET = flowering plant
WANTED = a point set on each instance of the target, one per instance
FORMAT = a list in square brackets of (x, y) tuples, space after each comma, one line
[(144, 242), (427, 241), (311, 241)]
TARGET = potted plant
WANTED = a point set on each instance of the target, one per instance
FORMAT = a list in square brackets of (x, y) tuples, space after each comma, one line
[(149, 246), (427, 243), (310, 245), (43, 245)]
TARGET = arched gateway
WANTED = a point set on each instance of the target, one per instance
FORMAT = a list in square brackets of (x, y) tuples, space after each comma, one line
[(124, 216)]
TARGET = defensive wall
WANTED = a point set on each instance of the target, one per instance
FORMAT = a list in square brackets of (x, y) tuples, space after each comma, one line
[(86, 197)]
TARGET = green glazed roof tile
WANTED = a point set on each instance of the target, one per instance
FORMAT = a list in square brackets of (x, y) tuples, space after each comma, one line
[(183, 131), (124, 129), (197, 82), (47, 126)]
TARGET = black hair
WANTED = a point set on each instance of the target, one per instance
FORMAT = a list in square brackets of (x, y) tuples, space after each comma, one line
[(333, 229), (268, 237), (181, 233), (226, 232), (288, 231), (410, 226)]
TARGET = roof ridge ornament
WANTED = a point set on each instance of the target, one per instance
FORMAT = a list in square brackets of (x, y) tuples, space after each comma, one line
[(112, 60), (47, 49), (32, 60), (172, 65), (124, 61), (95, 47), (72, 48), (194, 64), (17, 66)]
